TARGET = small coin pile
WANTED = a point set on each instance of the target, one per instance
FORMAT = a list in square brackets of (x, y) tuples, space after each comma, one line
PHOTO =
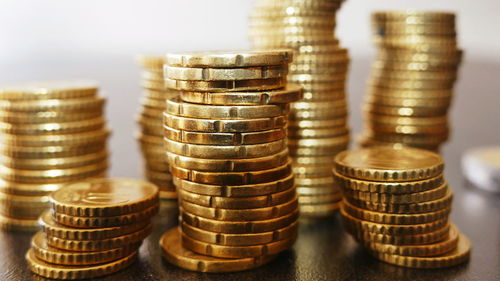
[(93, 228), (150, 121), (51, 133), (318, 127), (411, 85), (397, 203), (226, 144)]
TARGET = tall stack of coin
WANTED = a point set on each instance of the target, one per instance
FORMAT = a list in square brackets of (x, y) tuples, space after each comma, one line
[(318, 127), (94, 228), (52, 133), (150, 120), (411, 85), (397, 203), (226, 143)]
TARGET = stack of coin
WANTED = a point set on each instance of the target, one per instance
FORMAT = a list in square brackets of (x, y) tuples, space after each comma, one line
[(397, 204), (150, 121), (318, 127), (51, 133), (94, 228), (411, 85), (226, 144)]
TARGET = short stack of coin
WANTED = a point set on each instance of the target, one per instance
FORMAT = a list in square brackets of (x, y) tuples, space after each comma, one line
[(51, 133), (94, 228), (318, 127), (397, 203), (412, 79), (150, 121), (226, 143)]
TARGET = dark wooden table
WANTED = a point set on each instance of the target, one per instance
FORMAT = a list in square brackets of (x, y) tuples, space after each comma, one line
[(324, 251)]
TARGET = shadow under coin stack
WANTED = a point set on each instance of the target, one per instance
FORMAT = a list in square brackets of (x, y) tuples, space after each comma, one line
[(318, 127), (397, 204), (94, 228), (229, 162), (411, 86), (150, 121), (51, 133)]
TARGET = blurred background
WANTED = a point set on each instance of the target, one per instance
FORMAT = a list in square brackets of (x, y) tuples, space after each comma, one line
[(56, 39)]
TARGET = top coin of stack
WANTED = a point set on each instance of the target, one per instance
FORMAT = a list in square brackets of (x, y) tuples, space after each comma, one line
[(52, 133), (94, 228), (411, 85), (226, 143), (397, 203), (318, 127), (150, 120)]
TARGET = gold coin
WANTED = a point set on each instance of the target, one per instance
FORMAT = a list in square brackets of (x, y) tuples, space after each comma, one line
[(289, 94), (300, 5), (233, 178), (175, 253), (382, 73), (299, 115), (99, 245), (256, 32), (409, 111), (431, 103), (22, 207), (453, 57), (227, 85), (412, 66), (151, 61), (388, 187), (319, 210), (240, 227), (414, 17), (105, 222), (239, 191), (250, 239), (298, 133), (53, 229), (56, 256), (286, 9), (333, 86), (416, 121), (426, 30), (319, 49), (153, 85), (426, 250), (411, 94), (29, 189), (152, 105), (15, 224), (159, 94), (53, 128), (367, 142), (313, 160), (69, 89), (320, 199), (104, 197), (224, 74), (460, 255), (53, 105), (231, 58), (412, 84), (229, 165), (51, 163), (48, 270), (314, 78), (168, 195), (152, 75), (48, 116), (271, 40), (226, 151), (410, 129), (403, 40), (403, 240), (53, 140), (262, 20), (215, 250), (412, 208), (179, 108), (318, 124), (319, 106), (338, 69), (388, 164), (318, 147), (223, 126), (27, 152), (316, 171), (385, 218), (237, 203), (317, 190)]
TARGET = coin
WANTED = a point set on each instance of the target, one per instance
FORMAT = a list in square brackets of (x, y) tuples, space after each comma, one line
[(52, 140), (224, 138), (226, 85), (231, 58), (22, 207), (405, 111), (312, 191), (28, 189), (50, 163), (52, 104), (223, 74), (319, 209), (15, 224), (68, 89), (26, 152), (316, 171), (414, 17), (53, 128), (316, 124), (48, 270), (48, 116), (298, 133), (384, 164), (175, 253), (320, 199), (151, 61)]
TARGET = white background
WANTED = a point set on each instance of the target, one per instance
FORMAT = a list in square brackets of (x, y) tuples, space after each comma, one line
[(58, 39)]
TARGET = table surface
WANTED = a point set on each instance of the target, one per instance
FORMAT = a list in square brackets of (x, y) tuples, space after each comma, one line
[(324, 251)]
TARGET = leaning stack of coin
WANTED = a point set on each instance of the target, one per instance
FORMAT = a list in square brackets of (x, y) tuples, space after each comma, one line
[(94, 228), (397, 203), (51, 133), (318, 127), (150, 120), (411, 85), (226, 144)]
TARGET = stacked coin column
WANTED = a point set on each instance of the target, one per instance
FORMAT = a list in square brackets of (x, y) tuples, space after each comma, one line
[(411, 85), (52, 133), (229, 159), (318, 127), (397, 203), (150, 120), (94, 228)]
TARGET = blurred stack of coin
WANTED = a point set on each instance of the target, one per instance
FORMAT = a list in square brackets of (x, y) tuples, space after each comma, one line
[(150, 120), (94, 228), (318, 127), (51, 133), (226, 144), (397, 204), (411, 85)]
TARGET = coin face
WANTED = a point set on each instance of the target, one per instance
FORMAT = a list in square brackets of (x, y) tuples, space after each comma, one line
[(231, 58), (104, 197)]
